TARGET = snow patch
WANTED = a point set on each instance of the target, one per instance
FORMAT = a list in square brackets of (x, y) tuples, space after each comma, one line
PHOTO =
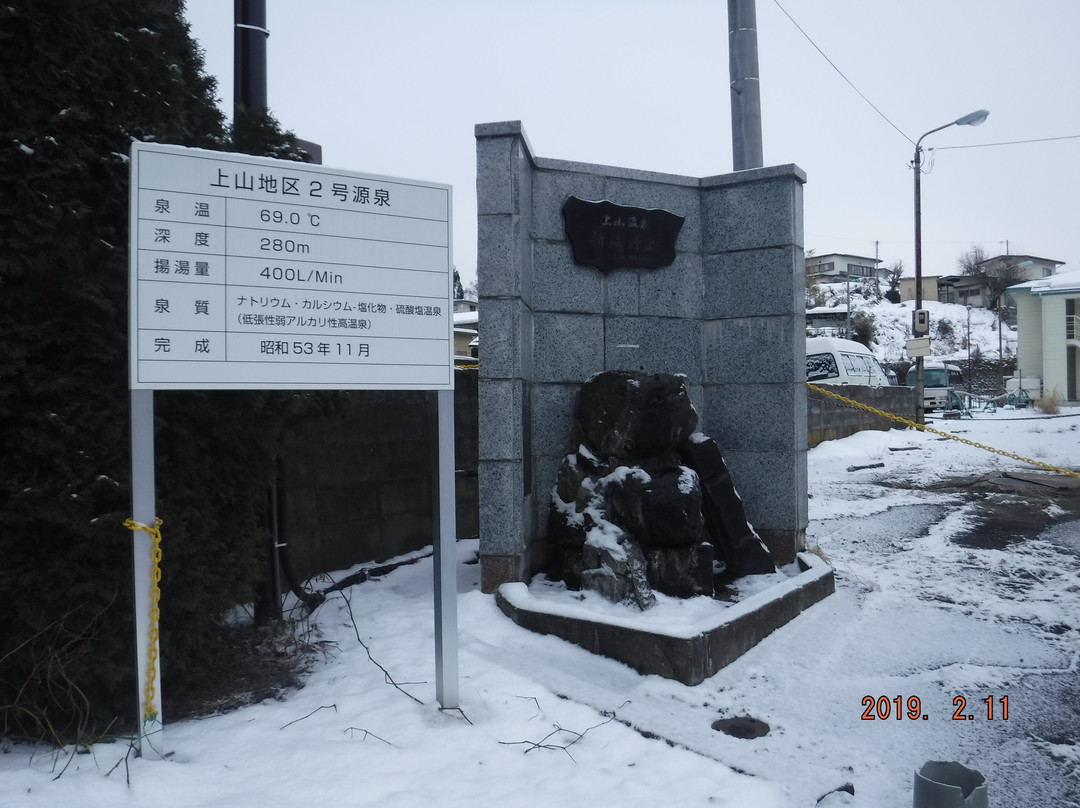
[(688, 480), (604, 535)]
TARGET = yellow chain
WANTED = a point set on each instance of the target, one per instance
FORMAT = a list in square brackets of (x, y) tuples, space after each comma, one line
[(818, 389), (151, 714)]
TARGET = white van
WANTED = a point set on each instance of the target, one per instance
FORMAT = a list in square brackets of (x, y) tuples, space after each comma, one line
[(831, 360), (939, 379)]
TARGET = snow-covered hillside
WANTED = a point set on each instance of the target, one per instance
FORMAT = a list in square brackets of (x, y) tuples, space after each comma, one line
[(948, 327)]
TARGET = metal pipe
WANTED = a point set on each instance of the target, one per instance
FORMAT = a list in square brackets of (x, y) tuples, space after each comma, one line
[(920, 405), (745, 85), (249, 54)]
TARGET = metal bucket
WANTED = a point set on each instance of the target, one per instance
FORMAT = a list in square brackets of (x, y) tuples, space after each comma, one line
[(949, 785)]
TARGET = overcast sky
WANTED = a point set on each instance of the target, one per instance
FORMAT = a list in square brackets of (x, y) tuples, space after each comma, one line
[(396, 87)]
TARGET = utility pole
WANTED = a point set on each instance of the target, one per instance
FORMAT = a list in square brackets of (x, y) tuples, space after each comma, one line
[(745, 85), (249, 55), (249, 65), (249, 94)]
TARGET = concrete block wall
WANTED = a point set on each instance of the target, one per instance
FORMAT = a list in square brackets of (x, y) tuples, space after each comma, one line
[(728, 313), (358, 486), (829, 419)]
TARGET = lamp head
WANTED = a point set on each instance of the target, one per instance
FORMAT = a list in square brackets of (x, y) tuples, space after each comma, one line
[(973, 118)]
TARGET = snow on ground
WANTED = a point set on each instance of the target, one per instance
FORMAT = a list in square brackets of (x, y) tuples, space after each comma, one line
[(542, 722), (948, 328)]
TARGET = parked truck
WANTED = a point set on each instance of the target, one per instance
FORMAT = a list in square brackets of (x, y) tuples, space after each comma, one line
[(939, 379)]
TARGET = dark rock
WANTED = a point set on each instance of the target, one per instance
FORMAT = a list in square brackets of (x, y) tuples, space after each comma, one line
[(593, 465), (643, 503), (662, 510), (614, 566), (566, 527), (574, 492), (725, 519), (564, 564), (571, 475), (681, 572), (623, 414)]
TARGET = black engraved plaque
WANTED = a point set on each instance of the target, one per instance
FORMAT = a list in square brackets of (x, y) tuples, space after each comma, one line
[(609, 236)]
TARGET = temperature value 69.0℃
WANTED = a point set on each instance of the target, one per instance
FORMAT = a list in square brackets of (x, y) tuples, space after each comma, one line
[(254, 273)]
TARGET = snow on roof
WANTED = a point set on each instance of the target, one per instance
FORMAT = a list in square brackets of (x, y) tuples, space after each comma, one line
[(466, 317), (1060, 283), (835, 343)]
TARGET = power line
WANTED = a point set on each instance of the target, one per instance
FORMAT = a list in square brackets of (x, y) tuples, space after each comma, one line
[(841, 74), (1010, 142)]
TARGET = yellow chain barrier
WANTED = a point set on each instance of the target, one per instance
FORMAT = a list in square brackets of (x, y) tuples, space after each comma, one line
[(819, 389), (151, 714)]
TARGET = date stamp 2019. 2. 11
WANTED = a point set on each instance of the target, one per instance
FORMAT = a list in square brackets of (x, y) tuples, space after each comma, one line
[(882, 708)]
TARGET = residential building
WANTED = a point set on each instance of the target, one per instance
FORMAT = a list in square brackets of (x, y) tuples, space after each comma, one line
[(982, 292), (1048, 326), (826, 321), (836, 268), (466, 333)]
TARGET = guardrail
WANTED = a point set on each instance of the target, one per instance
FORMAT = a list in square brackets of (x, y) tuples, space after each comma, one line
[(968, 402)]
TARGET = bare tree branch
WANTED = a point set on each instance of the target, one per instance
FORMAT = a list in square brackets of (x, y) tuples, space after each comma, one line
[(969, 260), (324, 707), (457, 710), (543, 743), (386, 674), (367, 734)]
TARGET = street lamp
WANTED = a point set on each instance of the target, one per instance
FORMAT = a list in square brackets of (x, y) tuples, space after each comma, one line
[(971, 119)]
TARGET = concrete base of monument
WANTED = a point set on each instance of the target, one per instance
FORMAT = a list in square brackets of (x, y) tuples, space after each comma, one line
[(686, 640)]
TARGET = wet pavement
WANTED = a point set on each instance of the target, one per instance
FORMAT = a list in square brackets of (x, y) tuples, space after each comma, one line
[(1015, 541), (1016, 507)]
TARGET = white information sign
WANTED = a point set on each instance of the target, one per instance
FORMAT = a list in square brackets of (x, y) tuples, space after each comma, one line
[(920, 346), (253, 273)]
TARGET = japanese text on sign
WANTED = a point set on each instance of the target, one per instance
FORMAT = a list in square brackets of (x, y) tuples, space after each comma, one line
[(252, 273)]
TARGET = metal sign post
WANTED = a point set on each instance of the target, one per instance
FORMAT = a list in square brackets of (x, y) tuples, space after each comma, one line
[(445, 559), (249, 273), (143, 513)]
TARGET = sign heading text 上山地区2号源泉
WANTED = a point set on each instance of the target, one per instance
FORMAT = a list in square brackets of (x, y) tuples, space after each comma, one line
[(254, 273)]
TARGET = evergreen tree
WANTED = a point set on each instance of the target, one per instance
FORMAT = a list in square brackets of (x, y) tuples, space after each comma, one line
[(81, 79), (459, 290)]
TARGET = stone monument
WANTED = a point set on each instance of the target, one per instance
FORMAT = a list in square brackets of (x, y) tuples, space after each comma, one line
[(644, 501), (570, 289)]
